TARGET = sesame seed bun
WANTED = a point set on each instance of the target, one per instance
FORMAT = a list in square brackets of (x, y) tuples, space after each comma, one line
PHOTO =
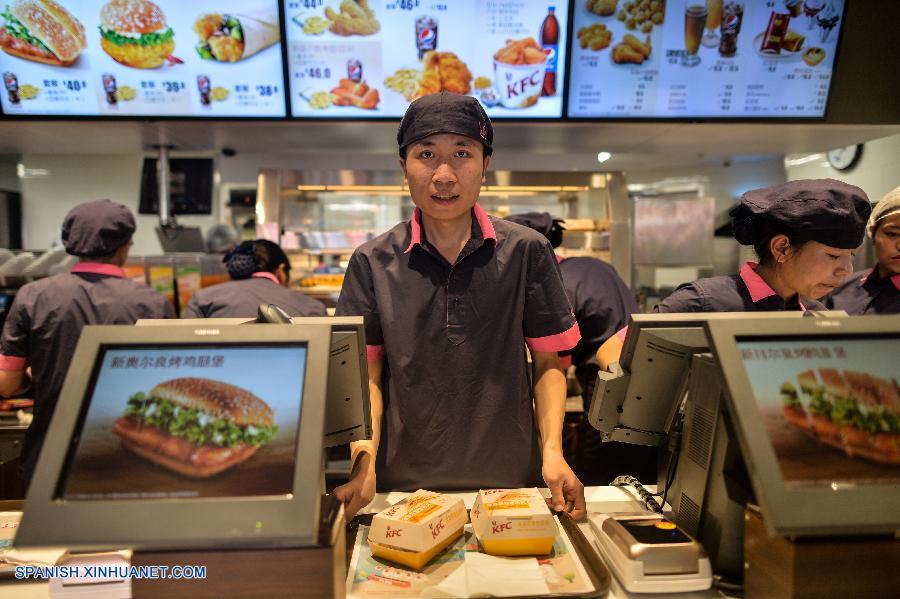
[(132, 16), (54, 26), (217, 399)]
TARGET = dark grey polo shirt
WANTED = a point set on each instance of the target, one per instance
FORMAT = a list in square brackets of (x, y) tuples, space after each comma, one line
[(45, 322), (458, 407), (867, 293), (241, 299)]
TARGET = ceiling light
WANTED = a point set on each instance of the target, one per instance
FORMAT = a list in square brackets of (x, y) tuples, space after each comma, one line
[(603, 157)]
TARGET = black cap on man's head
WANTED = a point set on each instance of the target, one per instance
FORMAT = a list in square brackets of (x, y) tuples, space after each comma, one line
[(97, 228), (445, 112), (831, 212)]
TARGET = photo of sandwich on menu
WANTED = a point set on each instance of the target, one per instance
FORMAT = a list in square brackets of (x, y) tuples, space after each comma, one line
[(182, 422), (235, 37), (830, 408), (195, 427), (42, 31), (135, 33), (854, 412)]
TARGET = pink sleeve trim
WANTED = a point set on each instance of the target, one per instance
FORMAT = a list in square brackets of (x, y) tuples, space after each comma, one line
[(565, 361), (622, 333), (13, 363), (375, 353), (555, 343)]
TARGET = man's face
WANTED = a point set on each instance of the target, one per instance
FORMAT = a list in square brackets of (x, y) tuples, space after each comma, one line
[(887, 245), (444, 173)]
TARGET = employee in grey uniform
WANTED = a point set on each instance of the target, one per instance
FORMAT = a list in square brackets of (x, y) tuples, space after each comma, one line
[(47, 316), (261, 273), (876, 290), (805, 233), (450, 298)]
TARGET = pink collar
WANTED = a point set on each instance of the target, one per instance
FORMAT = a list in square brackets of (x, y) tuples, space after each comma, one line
[(97, 268), (266, 275), (759, 289), (895, 279), (484, 221), (559, 258)]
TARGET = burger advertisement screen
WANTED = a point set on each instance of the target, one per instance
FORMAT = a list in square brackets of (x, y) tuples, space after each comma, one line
[(142, 58), (830, 407), (370, 58), (703, 58), (186, 422)]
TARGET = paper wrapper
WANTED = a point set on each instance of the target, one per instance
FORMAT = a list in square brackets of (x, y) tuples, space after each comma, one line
[(260, 29)]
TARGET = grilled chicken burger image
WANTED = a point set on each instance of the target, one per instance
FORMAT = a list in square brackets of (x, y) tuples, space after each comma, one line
[(135, 33), (196, 427), (42, 31)]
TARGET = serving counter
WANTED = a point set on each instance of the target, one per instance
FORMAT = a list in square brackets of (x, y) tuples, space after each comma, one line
[(599, 500)]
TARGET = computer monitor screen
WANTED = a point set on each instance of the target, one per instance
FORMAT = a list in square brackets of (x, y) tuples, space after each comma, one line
[(184, 437), (815, 406), (188, 421), (830, 407)]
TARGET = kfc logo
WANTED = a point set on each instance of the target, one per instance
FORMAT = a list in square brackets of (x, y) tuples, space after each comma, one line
[(436, 529), (391, 533), (498, 528), (518, 87)]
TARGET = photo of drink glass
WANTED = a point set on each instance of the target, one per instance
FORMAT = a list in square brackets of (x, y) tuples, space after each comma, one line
[(713, 21), (794, 7), (732, 17), (810, 9), (694, 23), (827, 20)]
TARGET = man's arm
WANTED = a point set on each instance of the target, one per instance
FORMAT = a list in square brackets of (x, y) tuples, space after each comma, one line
[(13, 382), (359, 491), (567, 492), (609, 352)]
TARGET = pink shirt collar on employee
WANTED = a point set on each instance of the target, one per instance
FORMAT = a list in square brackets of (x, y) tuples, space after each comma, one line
[(759, 289), (266, 275), (97, 268), (487, 228), (895, 279)]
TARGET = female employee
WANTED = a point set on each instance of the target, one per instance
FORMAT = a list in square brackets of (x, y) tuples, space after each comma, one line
[(261, 273), (877, 290), (805, 233), (47, 316), (450, 298)]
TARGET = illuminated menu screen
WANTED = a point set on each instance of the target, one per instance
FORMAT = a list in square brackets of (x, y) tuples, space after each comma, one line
[(371, 58), (142, 58), (703, 58)]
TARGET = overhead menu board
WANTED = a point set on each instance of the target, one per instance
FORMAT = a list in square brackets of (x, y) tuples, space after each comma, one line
[(371, 58), (703, 58), (142, 58)]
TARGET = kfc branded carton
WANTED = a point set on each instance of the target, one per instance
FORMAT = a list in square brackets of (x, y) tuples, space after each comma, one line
[(513, 522), (415, 530)]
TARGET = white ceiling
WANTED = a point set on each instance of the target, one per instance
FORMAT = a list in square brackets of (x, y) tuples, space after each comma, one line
[(632, 144)]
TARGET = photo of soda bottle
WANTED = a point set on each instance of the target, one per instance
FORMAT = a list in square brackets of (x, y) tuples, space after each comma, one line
[(549, 39)]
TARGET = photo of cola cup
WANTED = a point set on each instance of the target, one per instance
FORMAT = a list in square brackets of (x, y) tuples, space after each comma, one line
[(203, 86), (426, 35), (12, 87), (110, 88), (732, 17)]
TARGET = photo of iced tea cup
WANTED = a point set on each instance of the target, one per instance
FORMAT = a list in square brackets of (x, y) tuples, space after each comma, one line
[(694, 23)]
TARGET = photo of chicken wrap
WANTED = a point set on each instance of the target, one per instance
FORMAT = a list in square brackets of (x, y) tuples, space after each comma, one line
[(234, 37), (196, 427), (135, 33), (42, 31)]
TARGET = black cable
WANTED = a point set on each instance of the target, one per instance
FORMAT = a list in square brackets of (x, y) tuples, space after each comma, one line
[(720, 583), (630, 481)]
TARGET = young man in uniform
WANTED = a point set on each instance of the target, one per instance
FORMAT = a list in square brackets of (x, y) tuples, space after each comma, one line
[(47, 316), (602, 303), (450, 299), (876, 290)]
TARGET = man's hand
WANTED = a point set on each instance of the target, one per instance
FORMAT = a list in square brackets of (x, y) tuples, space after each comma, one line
[(566, 491), (359, 491)]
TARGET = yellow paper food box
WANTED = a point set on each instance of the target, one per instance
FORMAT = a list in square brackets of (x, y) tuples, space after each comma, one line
[(415, 530), (513, 522)]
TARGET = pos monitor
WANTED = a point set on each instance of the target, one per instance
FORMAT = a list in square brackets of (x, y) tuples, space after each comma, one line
[(348, 415), (183, 437), (638, 401), (816, 409)]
